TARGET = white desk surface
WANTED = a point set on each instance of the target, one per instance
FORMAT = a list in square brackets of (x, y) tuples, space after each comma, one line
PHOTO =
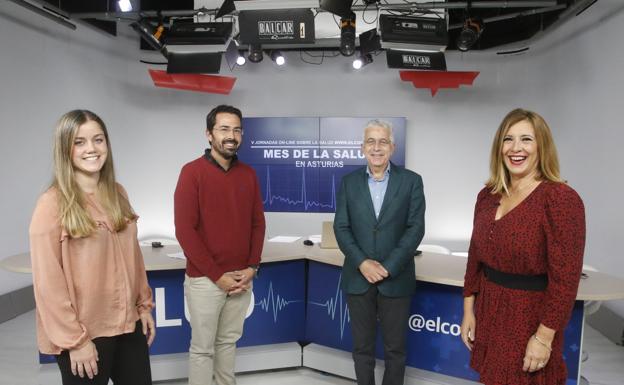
[(430, 267)]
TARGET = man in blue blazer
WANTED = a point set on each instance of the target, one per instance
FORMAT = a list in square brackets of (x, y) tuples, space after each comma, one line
[(379, 223)]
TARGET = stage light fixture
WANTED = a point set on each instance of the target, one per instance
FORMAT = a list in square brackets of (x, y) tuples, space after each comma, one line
[(234, 56), (255, 53), (150, 34), (370, 42), (469, 34), (347, 35), (125, 5), (362, 61), (340, 8), (278, 57), (226, 8)]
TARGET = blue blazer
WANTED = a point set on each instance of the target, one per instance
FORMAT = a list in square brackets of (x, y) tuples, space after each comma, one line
[(390, 239)]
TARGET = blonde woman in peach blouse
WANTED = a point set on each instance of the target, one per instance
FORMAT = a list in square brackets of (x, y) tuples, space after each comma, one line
[(93, 301)]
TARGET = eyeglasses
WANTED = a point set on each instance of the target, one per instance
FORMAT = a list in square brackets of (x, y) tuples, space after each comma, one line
[(235, 131), (370, 142)]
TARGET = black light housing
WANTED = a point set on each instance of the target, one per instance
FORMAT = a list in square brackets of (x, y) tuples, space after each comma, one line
[(347, 35), (255, 53), (278, 57), (362, 60), (370, 41), (341, 8), (226, 8), (150, 34), (469, 34), (234, 56)]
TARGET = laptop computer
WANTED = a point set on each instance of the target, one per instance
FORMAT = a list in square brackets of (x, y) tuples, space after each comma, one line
[(328, 238)]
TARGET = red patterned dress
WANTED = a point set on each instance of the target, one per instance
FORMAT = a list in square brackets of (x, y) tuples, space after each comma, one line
[(544, 234)]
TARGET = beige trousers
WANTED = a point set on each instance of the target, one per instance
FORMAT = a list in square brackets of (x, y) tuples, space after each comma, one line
[(216, 324)]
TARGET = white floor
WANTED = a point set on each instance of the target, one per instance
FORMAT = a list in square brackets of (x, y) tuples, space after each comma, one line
[(18, 361), (300, 376)]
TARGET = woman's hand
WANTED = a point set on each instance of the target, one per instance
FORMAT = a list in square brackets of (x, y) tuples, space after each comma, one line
[(536, 356), (149, 328), (84, 360), (468, 325), (469, 322)]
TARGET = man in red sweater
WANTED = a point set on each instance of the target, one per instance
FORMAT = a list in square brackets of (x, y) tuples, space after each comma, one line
[(219, 221)]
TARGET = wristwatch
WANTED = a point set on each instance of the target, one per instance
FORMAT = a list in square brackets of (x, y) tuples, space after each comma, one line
[(255, 268)]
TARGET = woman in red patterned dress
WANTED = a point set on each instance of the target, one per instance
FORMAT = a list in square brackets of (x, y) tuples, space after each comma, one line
[(525, 259)]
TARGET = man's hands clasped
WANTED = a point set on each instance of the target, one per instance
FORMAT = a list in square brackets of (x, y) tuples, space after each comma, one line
[(236, 282), (373, 271)]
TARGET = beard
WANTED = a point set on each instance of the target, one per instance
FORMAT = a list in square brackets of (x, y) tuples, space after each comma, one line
[(226, 153)]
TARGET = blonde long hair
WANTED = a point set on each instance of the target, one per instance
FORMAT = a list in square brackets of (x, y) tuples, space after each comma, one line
[(548, 167), (72, 205)]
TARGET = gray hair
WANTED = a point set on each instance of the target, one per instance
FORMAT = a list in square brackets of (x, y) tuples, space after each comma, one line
[(380, 123)]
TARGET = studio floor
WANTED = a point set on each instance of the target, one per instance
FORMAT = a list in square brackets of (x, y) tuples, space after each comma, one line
[(18, 361)]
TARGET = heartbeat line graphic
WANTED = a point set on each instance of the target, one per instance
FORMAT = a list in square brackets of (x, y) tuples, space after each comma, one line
[(303, 197), (274, 302), (336, 303)]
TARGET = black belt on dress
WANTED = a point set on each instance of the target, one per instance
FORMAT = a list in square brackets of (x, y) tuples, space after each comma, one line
[(516, 281)]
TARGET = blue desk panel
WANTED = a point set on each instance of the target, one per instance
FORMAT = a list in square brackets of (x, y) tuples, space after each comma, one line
[(277, 314), (434, 343), (281, 314)]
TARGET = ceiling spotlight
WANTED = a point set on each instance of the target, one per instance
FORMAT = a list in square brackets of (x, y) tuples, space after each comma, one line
[(255, 53), (469, 34), (278, 57), (124, 5), (362, 60), (347, 35), (240, 60)]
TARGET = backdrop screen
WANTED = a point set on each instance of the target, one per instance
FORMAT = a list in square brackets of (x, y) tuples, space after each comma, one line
[(300, 161)]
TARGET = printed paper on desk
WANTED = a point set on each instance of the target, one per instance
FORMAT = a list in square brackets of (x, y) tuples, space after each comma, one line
[(284, 239), (316, 238), (179, 255)]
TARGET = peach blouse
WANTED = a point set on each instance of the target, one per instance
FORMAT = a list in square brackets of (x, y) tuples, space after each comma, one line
[(84, 287)]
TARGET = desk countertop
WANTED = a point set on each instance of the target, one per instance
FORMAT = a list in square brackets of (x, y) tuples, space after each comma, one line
[(430, 267)]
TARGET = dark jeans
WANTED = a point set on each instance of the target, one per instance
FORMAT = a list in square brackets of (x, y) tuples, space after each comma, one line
[(393, 314), (123, 358)]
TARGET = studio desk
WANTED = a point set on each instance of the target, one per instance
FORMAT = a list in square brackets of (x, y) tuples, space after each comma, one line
[(298, 316)]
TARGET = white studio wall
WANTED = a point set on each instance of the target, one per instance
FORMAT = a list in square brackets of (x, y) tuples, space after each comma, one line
[(584, 82), (47, 70)]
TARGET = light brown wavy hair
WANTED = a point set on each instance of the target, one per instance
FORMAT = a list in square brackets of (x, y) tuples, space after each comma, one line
[(548, 165), (72, 206)]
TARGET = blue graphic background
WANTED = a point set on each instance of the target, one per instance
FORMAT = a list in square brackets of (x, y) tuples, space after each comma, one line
[(278, 316), (279, 313), (432, 351), (285, 312), (327, 321), (292, 182)]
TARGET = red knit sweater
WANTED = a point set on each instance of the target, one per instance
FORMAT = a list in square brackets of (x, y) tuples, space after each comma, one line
[(219, 218)]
